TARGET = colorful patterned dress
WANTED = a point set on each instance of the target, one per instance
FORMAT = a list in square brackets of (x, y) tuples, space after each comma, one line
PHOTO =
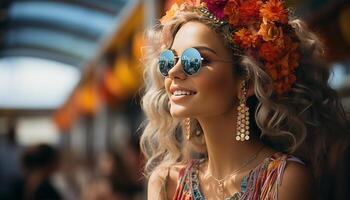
[(260, 184)]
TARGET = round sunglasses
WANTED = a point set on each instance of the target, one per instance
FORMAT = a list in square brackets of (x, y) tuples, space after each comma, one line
[(191, 61)]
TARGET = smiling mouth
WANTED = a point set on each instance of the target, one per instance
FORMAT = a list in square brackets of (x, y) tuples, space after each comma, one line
[(182, 93)]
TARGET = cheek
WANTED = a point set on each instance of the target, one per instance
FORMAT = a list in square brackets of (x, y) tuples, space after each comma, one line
[(167, 83), (218, 88)]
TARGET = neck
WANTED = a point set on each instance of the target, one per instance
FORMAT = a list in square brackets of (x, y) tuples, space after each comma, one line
[(225, 154)]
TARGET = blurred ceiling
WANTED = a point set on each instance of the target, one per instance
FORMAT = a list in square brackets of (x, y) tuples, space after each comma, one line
[(67, 31), (44, 44)]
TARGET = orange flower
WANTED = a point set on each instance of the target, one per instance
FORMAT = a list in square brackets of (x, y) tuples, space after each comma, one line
[(284, 62), (285, 70), (269, 31), (291, 59), (231, 10), (245, 38), (282, 71), (269, 51), (169, 14), (272, 71), (249, 11), (274, 10), (178, 5)]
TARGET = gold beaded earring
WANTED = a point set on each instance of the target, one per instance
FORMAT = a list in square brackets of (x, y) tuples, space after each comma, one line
[(188, 128), (188, 132), (242, 130)]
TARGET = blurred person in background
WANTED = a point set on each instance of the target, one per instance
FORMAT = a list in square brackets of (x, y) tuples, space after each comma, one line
[(39, 163), (118, 176), (10, 151), (238, 106), (131, 156), (71, 176)]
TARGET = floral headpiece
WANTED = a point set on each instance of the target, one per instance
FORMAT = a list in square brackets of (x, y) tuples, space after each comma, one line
[(259, 28)]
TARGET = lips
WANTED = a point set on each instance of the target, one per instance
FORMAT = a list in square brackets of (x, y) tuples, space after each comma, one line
[(180, 95), (180, 89)]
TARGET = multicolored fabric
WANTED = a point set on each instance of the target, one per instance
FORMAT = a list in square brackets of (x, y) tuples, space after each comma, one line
[(260, 184)]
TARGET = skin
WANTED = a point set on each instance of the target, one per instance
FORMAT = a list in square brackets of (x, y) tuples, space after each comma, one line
[(214, 106)]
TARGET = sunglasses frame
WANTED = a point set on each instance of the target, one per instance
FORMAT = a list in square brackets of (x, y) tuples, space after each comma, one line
[(176, 59)]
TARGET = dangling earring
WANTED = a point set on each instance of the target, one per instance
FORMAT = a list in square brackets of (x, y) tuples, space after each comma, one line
[(188, 128), (188, 132), (242, 116)]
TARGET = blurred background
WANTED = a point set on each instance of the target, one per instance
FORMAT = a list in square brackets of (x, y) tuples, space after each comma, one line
[(70, 75)]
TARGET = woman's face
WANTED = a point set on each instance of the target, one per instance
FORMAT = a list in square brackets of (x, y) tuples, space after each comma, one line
[(214, 87)]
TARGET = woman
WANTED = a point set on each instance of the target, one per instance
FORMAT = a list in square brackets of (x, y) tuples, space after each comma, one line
[(232, 89)]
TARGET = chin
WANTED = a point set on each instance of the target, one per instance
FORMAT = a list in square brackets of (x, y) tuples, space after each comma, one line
[(179, 112)]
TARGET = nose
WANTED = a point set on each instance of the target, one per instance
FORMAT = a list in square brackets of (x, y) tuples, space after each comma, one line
[(176, 71)]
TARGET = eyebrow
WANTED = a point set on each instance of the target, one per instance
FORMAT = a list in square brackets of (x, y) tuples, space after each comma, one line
[(205, 48), (200, 48)]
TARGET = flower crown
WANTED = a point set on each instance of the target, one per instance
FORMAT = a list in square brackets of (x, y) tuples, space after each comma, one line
[(259, 28)]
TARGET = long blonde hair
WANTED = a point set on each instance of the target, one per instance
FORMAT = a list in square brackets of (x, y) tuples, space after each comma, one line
[(299, 122)]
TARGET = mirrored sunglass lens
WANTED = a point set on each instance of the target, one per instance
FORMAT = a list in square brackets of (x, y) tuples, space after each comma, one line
[(166, 62), (191, 61)]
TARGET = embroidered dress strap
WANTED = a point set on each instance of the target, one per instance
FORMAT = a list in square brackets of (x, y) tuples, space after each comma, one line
[(183, 189), (264, 180)]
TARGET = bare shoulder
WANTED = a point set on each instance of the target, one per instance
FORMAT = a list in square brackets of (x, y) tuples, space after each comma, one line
[(163, 182), (156, 182), (297, 183)]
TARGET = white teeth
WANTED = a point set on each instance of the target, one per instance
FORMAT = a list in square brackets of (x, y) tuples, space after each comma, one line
[(179, 92)]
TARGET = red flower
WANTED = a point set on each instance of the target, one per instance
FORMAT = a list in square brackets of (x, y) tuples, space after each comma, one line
[(272, 71), (269, 51), (231, 10), (249, 11), (291, 58), (216, 7), (284, 84)]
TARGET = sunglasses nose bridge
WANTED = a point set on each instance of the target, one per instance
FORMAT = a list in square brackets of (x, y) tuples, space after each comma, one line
[(176, 71)]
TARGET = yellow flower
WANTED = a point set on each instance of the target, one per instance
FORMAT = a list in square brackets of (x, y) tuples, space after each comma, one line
[(169, 14), (269, 31)]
